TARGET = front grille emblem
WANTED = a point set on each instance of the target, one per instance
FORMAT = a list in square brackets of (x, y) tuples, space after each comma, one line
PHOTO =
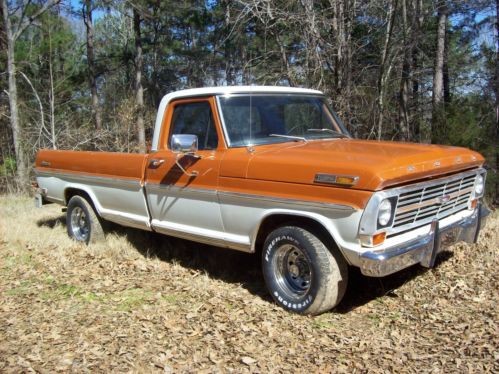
[(443, 199)]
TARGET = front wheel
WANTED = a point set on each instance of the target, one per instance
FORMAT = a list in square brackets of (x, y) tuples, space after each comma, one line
[(82, 222), (301, 273)]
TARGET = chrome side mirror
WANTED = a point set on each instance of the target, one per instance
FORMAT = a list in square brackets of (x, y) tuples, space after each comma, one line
[(184, 143)]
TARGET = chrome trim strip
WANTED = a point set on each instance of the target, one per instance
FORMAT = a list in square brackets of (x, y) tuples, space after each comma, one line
[(280, 200), (162, 188), (117, 182)]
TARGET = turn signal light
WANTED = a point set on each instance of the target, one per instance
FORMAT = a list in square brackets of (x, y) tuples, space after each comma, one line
[(345, 180), (379, 238), (473, 204)]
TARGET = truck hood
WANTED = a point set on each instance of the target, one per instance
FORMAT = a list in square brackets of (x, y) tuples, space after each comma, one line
[(378, 164)]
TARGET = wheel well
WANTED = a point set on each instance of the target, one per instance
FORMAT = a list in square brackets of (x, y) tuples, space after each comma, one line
[(70, 192), (274, 221)]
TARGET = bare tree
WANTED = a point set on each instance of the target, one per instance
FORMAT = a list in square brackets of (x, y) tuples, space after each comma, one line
[(385, 66), (404, 79), (438, 75), (343, 13), (417, 22), (14, 26), (92, 75), (139, 90), (51, 92)]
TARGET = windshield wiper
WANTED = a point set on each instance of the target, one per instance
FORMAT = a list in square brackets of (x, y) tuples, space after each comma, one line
[(296, 138), (328, 130)]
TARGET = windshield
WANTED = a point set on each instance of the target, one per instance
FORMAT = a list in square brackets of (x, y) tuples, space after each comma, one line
[(264, 119)]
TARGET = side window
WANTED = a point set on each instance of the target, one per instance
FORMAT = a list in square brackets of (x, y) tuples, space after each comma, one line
[(196, 119)]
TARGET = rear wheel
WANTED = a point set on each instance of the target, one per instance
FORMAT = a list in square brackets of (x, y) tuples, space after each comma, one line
[(301, 273), (82, 222)]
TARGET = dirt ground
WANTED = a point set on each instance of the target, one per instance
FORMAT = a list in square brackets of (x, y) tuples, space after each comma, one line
[(141, 302)]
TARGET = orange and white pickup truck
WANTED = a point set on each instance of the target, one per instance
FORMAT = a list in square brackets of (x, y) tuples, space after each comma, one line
[(273, 170)]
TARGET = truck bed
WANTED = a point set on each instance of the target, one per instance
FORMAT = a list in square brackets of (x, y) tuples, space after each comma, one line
[(114, 181)]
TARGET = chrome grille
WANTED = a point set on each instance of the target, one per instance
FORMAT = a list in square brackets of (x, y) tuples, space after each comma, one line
[(436, 201)]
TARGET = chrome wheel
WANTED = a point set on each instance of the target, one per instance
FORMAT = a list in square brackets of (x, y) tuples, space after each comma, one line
[(80, 224), (292, 270)]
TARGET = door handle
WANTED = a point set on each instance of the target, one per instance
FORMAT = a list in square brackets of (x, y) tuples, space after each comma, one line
[(156, 163)]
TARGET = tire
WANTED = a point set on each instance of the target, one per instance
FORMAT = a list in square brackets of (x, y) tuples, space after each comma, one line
[(301, 273), (82, 222)]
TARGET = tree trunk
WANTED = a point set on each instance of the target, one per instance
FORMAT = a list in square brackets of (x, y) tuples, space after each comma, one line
[(347, 49), (339, 31), (404, 80), (51, 95), (342, 25), (417, 21), (230, 71), (438, 75), (447, 96), (14, 113), (92, 76), (139, 90), (383, 70)]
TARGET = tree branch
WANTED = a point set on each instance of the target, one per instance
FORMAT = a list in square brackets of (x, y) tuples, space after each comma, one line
[(25, 22)]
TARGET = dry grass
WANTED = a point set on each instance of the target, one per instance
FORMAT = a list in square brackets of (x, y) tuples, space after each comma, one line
[(143, 303)]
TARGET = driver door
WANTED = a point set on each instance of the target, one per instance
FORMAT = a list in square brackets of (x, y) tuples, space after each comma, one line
[(182, 205)]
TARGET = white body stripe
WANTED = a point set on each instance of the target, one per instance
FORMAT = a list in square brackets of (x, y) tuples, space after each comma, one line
[(225, 219), (117, 200)]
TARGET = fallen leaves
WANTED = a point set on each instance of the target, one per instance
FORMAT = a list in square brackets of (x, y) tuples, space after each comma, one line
[(248, 360), (143, 302)]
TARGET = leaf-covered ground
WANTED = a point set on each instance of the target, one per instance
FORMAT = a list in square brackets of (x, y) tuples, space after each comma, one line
[(147, 303)]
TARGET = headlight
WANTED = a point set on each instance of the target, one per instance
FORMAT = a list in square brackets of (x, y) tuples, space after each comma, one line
[(479, 185), (384, 212)]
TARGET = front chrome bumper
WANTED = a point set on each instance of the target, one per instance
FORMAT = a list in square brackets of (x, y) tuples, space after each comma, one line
[(424, 249)]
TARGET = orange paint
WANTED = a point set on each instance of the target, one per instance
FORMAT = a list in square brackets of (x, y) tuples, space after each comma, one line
[(105, 164)]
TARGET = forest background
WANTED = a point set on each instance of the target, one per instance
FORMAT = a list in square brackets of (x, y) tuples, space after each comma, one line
[(89, 74)]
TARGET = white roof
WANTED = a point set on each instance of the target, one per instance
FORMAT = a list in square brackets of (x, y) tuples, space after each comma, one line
[(222, 90), (226, 90)]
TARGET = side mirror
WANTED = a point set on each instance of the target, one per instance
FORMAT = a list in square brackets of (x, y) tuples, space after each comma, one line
[(184, 143)]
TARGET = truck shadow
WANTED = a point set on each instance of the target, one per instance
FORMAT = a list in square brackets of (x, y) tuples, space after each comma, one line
[(244, 269), (362, 289)]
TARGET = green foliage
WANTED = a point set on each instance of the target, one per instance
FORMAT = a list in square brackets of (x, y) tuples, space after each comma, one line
[(8, 167)]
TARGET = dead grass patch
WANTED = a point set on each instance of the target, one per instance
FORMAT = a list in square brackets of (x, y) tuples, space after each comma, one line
[(142, 302)]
